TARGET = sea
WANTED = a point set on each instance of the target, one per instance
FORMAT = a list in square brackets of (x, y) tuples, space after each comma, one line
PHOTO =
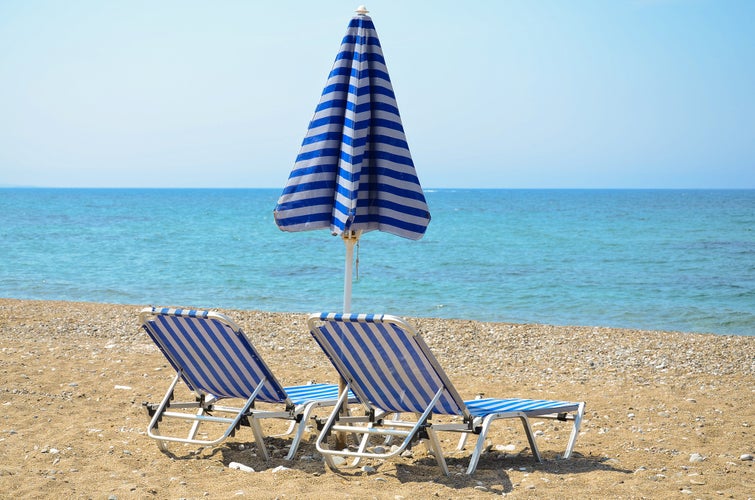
[(671, 260)]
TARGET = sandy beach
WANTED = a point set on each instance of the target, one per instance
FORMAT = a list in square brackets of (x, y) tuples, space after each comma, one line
[(669, 414)]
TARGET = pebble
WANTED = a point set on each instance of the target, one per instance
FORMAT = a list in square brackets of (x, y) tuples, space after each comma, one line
[(241, 467), (621, 355)]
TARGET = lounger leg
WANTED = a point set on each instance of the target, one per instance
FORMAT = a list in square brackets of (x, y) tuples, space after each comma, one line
[(152, 427), (362, 446), (462, 441), (574, 430), (195, 425), (259, 437), (321, 443), (161, 443), (389, 439), (434, 445), (475, 458), (530, 436), (302, 424)]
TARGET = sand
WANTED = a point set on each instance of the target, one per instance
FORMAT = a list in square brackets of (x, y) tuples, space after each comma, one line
[(669, 414)]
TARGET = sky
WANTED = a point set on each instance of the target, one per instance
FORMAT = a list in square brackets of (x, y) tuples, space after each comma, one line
[(503, 94)]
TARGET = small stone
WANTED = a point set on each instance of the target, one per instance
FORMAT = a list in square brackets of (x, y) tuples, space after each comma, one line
[(280, 468), (480, 488), (746, 457), (378, 450), (368, 469), (241, 467), (339, 461), (696, 457)]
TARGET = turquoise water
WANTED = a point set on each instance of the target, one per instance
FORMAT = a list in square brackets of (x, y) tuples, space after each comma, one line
[(650, 259)]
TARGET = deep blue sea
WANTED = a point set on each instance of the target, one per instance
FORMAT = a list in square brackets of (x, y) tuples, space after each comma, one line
[(648, 259)]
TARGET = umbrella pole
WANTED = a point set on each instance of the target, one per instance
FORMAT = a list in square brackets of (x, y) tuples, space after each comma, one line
[(350, 239)]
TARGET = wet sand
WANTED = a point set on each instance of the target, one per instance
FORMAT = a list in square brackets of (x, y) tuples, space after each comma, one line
[(669, 414)]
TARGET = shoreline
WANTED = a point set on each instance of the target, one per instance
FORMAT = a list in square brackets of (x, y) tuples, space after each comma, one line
[(666, 412), (415, 318)]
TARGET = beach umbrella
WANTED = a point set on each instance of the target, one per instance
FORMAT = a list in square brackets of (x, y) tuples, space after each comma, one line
[(354, 172)]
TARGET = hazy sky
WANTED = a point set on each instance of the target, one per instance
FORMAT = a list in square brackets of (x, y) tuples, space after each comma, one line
[(519, 94)]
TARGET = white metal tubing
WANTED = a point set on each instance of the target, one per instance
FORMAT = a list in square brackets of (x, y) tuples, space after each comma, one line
[(350, 238)]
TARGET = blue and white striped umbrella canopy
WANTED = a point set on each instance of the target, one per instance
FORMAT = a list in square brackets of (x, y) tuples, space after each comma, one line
[(354, 172)]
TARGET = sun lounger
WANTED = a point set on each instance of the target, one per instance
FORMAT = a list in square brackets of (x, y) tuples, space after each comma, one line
[(391, 371), (216, 361)]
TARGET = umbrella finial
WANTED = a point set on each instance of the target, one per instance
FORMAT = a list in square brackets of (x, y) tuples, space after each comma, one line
[(362, 10)]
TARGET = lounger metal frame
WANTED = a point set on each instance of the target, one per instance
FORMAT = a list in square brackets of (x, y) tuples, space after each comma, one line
[(391, 371), (216, 360)]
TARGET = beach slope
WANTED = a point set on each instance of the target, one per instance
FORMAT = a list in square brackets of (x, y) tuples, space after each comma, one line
[(668, 413)]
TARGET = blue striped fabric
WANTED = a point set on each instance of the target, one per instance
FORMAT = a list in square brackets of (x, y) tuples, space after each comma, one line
[(487, 406), (390, 367), (212, 356), (302, 394), (354, 171), (386, 367)]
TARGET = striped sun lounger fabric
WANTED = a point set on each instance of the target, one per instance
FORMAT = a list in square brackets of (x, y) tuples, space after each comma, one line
[(385, 367), (212, 356), (216, 360), (390, 369)]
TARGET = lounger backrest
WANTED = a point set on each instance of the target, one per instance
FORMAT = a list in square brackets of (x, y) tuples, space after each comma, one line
[(386, 363), (212, 353)]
